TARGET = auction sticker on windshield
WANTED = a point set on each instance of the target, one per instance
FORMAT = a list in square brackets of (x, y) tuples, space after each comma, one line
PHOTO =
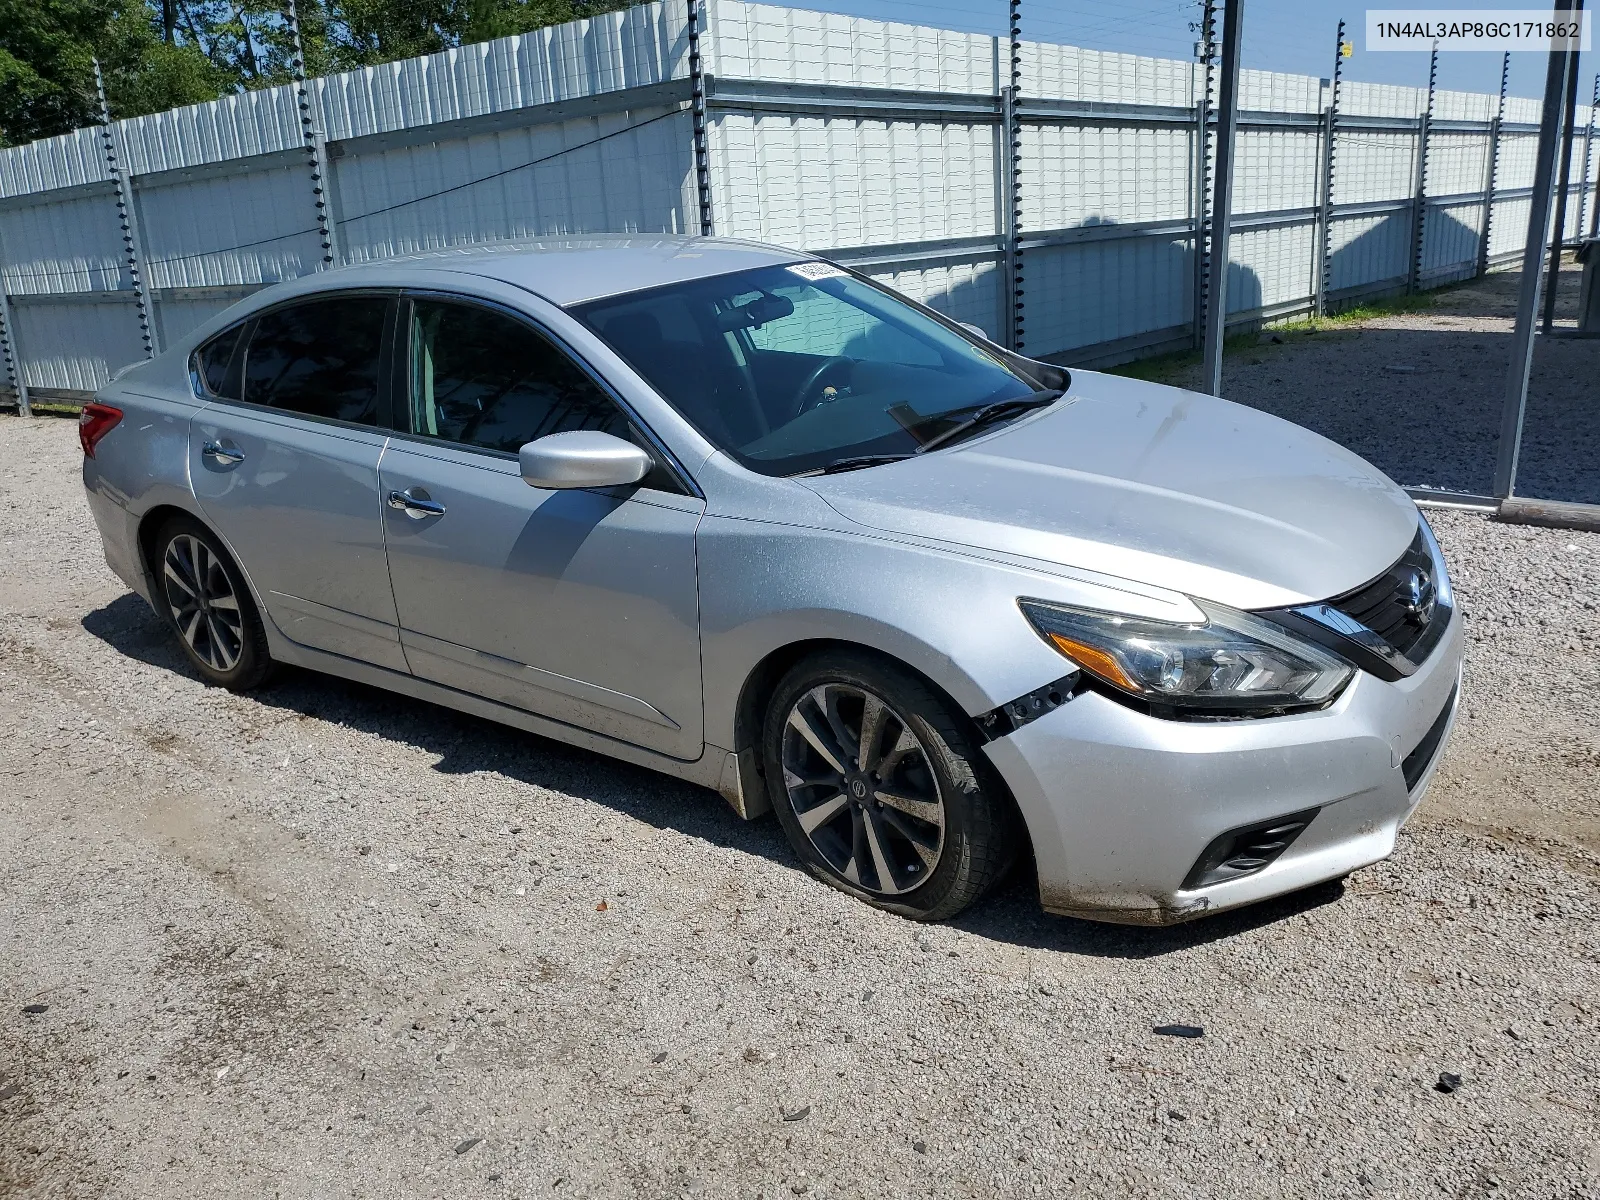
[(817, 270)]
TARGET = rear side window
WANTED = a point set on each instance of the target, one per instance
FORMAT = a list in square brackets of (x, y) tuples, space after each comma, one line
[(320, 358), (212, 362)]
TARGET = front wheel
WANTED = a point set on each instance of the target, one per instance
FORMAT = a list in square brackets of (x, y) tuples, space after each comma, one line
[(206, 603), (881, 790)]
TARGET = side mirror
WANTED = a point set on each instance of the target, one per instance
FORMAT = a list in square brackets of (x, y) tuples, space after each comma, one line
[(979, 330), (582, 458)]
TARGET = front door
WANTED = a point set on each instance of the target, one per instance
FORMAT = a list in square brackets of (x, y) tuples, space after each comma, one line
[(578, 605), (284, 465)]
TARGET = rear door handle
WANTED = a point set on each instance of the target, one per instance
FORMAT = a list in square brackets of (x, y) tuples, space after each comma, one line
[(416, 504), (223, 452)]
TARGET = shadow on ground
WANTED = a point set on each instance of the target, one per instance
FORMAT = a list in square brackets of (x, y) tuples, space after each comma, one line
[(466, 744)]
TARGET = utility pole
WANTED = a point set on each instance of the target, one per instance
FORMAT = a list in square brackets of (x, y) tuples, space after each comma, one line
[(1222, 208)]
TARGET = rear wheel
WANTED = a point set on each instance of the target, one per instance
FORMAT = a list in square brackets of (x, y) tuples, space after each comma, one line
[(881, 790), (204, 599)]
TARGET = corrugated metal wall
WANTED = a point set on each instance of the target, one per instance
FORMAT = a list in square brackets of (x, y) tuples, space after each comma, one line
[(875, 142)]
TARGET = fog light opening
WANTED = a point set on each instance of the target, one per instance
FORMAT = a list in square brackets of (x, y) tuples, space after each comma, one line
[(1247, 849)]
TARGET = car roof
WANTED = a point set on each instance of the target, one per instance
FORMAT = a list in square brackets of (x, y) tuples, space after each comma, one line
[(571, 270)]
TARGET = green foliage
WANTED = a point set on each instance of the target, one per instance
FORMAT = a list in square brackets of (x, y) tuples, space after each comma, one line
[(213, 47)]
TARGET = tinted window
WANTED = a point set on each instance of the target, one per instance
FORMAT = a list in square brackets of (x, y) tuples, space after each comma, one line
[(486, 379), (212, 361), (319, 358), (793, 369)]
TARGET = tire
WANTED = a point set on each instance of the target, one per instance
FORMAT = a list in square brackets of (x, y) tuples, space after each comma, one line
[(221, 635), (874, 832)]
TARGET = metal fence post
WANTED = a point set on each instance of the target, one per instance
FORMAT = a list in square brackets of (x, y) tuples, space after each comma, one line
[(315, 141), (1533, 252), (1206, 52), (1013, 140), (1322, 282), (697, 116), (1588, 146), (9, 350), (1419, 218), (1558, 239), (1222, 207), (1493, 180), (128, 218)]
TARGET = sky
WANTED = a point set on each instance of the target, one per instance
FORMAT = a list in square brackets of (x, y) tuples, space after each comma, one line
[(1279, 35)]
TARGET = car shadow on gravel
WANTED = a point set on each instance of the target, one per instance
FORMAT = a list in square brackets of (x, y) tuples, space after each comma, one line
[(465, 744)]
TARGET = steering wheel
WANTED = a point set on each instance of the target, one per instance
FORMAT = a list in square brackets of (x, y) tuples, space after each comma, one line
[(810, 392)]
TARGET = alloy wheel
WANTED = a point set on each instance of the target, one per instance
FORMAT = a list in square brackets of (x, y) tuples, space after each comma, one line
[(863, 789), (203, 602)]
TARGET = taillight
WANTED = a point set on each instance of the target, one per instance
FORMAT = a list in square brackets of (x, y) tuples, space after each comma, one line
[(94, 423)]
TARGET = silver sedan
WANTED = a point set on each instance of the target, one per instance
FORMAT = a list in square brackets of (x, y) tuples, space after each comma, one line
[(745, 517)]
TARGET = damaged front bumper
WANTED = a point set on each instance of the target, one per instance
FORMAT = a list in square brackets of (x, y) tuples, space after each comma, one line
[(1123, 808)]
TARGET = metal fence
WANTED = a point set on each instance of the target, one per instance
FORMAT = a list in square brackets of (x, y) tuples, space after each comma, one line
[(885, 146)]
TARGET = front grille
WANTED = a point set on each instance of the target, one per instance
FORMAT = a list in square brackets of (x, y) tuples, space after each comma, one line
[(1401, 605), (1389, 625), (1416, 763)]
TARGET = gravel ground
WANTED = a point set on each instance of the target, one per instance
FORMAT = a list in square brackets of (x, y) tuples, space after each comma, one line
[(321, 941), (1421, 394)]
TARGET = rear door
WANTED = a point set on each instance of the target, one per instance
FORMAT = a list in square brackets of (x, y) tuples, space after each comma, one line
[(285, 467), (578, 605)]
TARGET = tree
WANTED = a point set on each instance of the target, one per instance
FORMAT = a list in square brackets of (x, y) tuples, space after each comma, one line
[(159, 54), (47, 53)]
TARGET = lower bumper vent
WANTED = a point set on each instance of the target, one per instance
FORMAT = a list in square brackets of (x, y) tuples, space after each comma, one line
[(1246, 850), (1422, 755)]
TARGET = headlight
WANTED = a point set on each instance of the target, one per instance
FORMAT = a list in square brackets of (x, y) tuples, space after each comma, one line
[(1233, 664)]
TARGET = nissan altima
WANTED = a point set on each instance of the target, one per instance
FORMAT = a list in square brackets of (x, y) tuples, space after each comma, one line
[(748, 518)]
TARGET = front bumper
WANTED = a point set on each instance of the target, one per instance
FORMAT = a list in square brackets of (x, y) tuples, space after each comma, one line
[(1121, 805)]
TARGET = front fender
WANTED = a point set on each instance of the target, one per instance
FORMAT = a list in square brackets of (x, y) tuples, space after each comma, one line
[(952, 617)]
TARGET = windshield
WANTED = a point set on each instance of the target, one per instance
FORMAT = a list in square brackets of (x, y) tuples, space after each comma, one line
[(795, 368)]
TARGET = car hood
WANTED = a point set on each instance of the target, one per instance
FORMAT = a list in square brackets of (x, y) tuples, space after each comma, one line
[(1170, 488)]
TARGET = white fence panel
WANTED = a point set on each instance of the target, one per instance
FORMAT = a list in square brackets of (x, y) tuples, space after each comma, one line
[(584, 128), (884, 183), (252, 228), (793, 45), (622, 172), (75, 346), (72, 244)]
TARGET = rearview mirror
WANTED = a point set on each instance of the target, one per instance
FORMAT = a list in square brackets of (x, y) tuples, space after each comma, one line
[(582, 458), (979, 330)]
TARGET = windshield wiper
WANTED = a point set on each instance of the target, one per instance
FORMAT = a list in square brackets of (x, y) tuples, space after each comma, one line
[(988, 413), (854, 463)]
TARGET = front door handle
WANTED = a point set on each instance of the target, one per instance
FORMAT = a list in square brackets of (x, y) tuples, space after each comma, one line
[(416, 504), (223, 453)]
